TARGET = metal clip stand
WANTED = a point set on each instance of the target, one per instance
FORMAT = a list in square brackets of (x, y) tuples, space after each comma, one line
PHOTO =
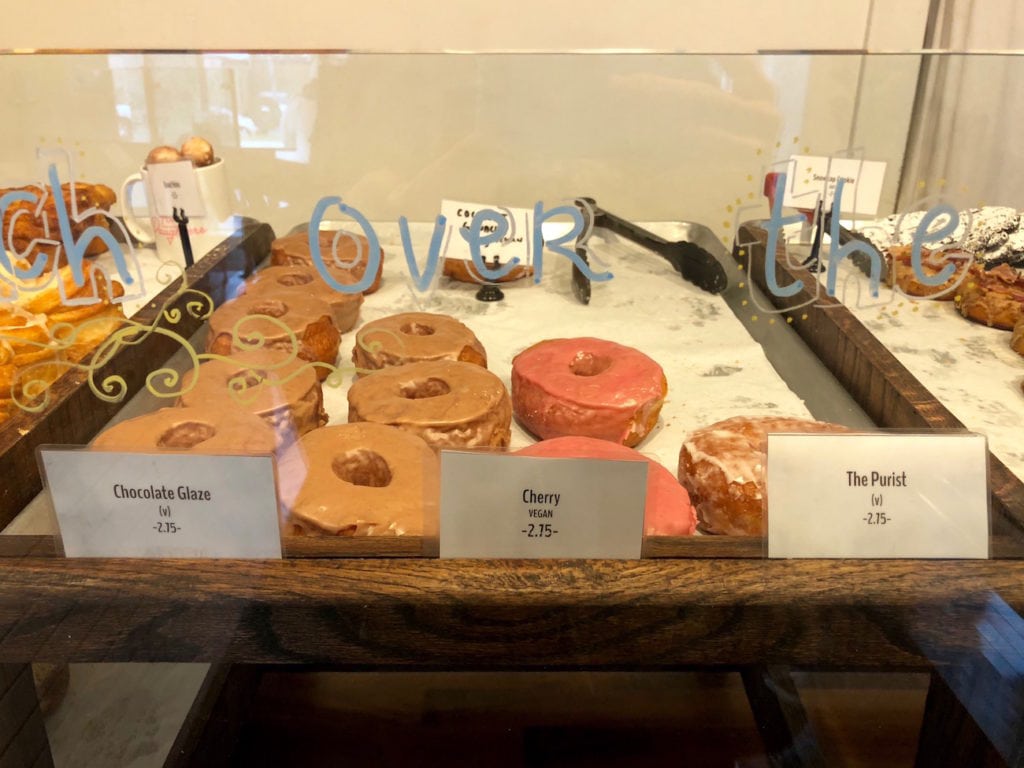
[(491, 291), (182, 220)]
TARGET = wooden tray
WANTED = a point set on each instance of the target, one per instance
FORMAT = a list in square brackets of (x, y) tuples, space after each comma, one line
[(883, 387), (74, 414)]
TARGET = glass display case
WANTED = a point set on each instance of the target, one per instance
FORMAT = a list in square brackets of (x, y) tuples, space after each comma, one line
[(381, 261)]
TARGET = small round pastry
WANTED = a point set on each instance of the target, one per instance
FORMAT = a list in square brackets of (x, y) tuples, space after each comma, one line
[(359, 480), (723, 467), (163, 154), (667, 511), (309, 318), (282, 391), (305, 280), (199, 429), (1017, 340), (901, 271), (465, 271), (412, 337), (198, 150), (587, 387), (340, 249), (994, 297), (449, 404)]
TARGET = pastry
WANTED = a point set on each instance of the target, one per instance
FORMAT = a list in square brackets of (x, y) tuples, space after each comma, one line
[(465, 271), (281, 390), (994, 297), (280, 323), (1017, 340), (667, 510), (21, 226), (901, 271), (199, 151), (723, 467), (306, 281), (199, 429), (413, 337), (358, 480), (587, 387), (343, 250), (449, 404)]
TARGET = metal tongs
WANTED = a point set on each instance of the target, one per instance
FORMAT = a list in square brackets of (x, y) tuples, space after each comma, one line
[(692, 262)]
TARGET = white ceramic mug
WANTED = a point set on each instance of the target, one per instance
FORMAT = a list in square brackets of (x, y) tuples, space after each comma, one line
[(205, 231)]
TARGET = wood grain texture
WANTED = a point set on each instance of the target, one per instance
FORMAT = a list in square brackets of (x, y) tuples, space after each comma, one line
[(74, 414), (881, 385), (409, 613)]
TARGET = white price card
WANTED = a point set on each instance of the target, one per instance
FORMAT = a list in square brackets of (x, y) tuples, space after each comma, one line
[(516, 242), (163, 505), (811, 178), (518, 506), (174, 185), (878, 496)]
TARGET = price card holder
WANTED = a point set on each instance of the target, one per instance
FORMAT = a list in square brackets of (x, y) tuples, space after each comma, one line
[(811, 178), (162, 505), (174, 185), (516, 506), (878, 496)]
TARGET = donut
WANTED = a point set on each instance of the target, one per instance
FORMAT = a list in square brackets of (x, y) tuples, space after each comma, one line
[(282, 391), (359, 480), (412, 337), (723, 467), (901, 272), (1017, 340), (307, 317), (447, 403), (465, 271), (199, 429), (994, 297), (347, 251), (587, 387), (667, 511), (305, 280)]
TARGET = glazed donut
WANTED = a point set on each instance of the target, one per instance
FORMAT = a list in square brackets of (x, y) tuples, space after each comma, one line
[(723, 467), (199, 429), (587, 387), (901, 272), (281, 390), (412, 337), (667, 512), (465, 271), (994, 297), (359, 480), (447, 403), (306, 281), (345, 251), (308, 318)]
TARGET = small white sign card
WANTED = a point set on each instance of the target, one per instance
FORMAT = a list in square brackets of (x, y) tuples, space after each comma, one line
[(517, 242), (163, 505), (878, 496), (811, 178), (495, 505), (174, 185)]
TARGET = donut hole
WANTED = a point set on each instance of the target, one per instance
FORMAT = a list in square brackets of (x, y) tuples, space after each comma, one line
[(589, 364), (362, 467), (186, 435), (247, 379), (271, 307), (294, 278), (417, 329), (424, 388)]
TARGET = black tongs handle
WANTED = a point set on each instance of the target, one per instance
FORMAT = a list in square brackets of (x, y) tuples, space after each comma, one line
[(691, 261)]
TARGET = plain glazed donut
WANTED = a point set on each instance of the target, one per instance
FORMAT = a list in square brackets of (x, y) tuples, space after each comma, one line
[(587, 387), (200, 429), (358, 480), (283, 392), (340, 250), (412, 337), (723, 467), (994, 297), (448, 404), (308, 317), (305, 280), (667, 512)]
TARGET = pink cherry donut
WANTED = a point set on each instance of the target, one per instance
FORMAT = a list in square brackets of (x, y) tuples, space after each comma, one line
[(668, 511), (587, 387)]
